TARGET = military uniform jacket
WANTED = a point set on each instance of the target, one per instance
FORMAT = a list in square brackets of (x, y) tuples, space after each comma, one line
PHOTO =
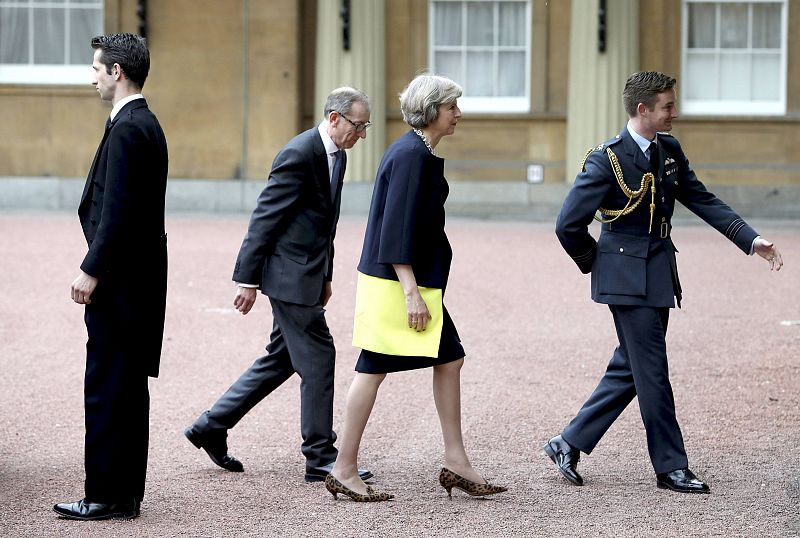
[(629, 264), (288, 248)]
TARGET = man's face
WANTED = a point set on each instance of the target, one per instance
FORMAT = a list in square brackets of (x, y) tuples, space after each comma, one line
[(343, 132), (664, 111), (106, 84)]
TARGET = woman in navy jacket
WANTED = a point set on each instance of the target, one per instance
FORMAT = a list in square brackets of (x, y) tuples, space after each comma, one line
[(405, 241)]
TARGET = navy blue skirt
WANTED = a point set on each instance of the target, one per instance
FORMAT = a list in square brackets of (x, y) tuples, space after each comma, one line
[(450, 349)]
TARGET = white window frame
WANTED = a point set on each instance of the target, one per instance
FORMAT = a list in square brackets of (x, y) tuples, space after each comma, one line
[(49, 74), (735, 107), (499, 104)]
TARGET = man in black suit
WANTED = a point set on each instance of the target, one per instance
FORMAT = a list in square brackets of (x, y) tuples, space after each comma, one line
[(288, 254), (123, 283), (633, 180)]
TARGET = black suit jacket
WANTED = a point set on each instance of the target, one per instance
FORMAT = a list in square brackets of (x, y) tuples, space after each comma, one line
[(630, 266), (288, 248), (122, 216)]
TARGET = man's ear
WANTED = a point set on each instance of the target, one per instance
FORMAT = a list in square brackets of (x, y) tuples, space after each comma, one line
[(641, 108), (117, 71)]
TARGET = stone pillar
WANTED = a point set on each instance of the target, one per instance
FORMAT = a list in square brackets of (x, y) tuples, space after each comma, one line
[(596, 80), (363, 66)]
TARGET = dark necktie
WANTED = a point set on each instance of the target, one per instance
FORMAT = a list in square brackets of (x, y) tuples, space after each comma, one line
[(654, 158), (337, 172), (108, 123)]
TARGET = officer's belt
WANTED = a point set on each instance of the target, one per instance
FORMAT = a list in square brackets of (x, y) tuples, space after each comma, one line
[(663, 231)]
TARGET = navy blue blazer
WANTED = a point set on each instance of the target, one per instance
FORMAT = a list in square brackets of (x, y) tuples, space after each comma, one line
[(288, 248), (406, 215), (630, 266)]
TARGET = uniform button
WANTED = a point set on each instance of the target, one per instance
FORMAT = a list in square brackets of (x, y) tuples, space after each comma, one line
[(663, 219), (621, 249), (676, 182), (663, 199)]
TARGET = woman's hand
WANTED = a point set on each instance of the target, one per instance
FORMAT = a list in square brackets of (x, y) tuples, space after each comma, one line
[(417, 310)]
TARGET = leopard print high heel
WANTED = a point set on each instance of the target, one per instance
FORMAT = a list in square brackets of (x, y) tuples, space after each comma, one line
[(336, 487), (449, 480)]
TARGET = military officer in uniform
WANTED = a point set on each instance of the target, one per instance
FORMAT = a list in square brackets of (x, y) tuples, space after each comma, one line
[(633, 180)]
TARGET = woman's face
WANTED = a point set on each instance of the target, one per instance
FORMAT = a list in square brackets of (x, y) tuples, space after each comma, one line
[(445, 122)]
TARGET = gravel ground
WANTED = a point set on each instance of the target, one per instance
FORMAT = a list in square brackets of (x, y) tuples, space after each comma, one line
[(536, 346)]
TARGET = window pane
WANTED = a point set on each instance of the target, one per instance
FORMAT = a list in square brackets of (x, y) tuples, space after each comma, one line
[(733, 26), (701, 80), (84, 24), (734, 75), (512, 24), (480, 74), (766, 77), (511, 79), (448, 64), (48, 29), (480, 23), (13, 36), (702, 26), (447, 23), (766, 26)]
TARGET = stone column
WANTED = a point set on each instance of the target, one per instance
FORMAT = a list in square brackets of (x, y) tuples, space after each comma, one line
[(596, 80), (363, 66)]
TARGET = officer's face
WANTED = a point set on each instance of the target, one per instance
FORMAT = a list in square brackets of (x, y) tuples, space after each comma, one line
[(664, 111)]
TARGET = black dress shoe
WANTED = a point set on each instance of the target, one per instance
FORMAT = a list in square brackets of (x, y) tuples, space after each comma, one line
[(88, 511), (682, 481), (565, 457), (216, 446), (318, 474)]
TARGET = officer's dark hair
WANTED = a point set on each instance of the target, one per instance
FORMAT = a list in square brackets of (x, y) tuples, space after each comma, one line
[(127, 50), (644, 87)]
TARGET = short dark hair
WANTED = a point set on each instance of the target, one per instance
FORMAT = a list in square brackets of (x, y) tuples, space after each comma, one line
[(644, 87), (127, 50)]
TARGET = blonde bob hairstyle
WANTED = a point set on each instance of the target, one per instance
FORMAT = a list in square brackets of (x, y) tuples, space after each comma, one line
[(420, 101)]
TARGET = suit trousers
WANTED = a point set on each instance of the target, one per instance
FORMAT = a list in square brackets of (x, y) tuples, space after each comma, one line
[(637, 368), (117, 404), (300, 343)]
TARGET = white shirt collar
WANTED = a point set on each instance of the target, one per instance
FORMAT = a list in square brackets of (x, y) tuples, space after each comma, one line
[(327, 141), (641, 141), (122, 102)]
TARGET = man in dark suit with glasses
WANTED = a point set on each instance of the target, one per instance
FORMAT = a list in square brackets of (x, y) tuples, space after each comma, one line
[(287, 253)]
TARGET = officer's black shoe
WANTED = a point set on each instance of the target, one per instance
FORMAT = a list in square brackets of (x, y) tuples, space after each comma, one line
[(565, 457), (682, 481)]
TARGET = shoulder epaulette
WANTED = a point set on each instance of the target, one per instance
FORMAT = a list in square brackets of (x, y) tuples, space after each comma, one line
[(608, 143)]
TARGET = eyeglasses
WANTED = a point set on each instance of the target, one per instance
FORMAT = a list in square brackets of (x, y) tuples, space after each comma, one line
[(360, 127)]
